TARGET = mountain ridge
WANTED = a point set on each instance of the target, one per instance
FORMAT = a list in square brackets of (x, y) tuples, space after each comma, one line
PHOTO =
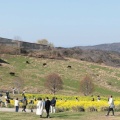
[(107, 47)]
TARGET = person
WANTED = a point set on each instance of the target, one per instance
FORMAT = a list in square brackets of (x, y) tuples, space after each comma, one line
[(39, 110), (52, 105), (7, 94), (35, 99), (7, 101), (111, 106), (13, 90), (31, 102), (16, 105), (47, 106), (23, 93), (76, 99), (24, 104), (93, 99), (98, 98)]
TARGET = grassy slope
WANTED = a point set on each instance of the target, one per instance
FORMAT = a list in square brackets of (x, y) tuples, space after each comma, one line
[(106, 78)]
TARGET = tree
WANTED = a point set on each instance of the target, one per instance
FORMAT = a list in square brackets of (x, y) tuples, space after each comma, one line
[(54, 83), (45, 42), (18, 83), (17, 38), (86, 85)]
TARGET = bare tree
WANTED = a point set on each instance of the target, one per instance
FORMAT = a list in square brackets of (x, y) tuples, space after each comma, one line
[(17, 38), (86, 85), (18, 84), (54, 83)]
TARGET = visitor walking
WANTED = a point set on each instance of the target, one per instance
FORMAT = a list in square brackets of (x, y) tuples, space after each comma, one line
[(7, 94), (39, 110), (52, 105), (16, 105), (98, 98), (13, 91), (111, 106), (24, 104), (47, 106)]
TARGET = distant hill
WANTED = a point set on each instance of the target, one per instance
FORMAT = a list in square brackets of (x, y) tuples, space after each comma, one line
[(108, 58), (107, 47)]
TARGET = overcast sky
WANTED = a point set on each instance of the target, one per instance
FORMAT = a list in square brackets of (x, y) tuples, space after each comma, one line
[(65, 23)]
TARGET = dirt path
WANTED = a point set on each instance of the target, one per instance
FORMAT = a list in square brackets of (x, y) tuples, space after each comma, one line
[(101, 116), (13, 110)]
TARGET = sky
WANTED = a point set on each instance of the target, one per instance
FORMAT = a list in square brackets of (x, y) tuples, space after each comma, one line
[(65, 23)]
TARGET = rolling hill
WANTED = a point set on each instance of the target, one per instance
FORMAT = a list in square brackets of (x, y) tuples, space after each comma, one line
[(106, 78)]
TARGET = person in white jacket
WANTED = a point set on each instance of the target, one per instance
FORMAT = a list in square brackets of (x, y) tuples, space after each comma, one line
[(111, 106), (39, 110), (16, 105)]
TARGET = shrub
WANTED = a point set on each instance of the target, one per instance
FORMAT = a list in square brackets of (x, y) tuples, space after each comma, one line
[(2, 104), (117, 108), (91, 109), (9, 105), (104, 109), (78, 109), (109, 83), (62, 109), (31, 106)]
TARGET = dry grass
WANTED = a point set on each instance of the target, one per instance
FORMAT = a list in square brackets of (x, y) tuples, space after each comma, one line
[(59, 116), (34, 73)]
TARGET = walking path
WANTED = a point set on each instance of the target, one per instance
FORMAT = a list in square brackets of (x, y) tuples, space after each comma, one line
[(13, 110)]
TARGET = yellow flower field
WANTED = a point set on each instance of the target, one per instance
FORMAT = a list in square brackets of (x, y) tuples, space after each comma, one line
[(68, 102)]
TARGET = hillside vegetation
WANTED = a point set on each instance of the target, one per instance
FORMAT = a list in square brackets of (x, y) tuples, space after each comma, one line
[(106, 47), (106, 79), (108, 58)]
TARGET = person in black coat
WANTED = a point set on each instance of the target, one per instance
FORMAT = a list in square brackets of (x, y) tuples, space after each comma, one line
[(47, 106), (7, 94)]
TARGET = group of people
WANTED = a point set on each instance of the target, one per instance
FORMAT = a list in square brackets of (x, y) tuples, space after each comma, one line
[(24, 101), (98, 98), (110, 102), (47, 105)]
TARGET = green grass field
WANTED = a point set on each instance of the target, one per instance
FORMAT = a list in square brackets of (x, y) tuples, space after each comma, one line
[(59, 116), (106, 79)]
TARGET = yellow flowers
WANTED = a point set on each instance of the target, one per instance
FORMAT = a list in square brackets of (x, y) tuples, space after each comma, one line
[(85, 104), (68, 102)]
